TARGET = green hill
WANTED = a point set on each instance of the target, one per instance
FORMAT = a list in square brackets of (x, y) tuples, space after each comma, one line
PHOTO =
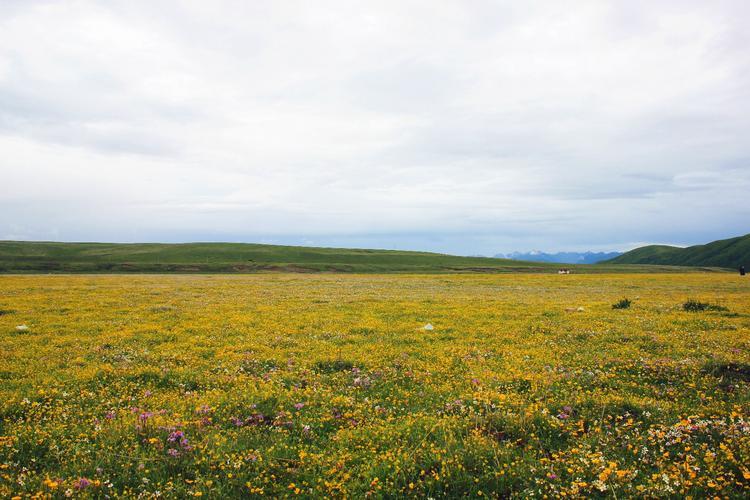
[(729, 253), (35, 257)]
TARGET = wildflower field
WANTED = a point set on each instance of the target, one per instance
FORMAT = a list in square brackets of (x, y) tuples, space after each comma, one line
[(335, 385)]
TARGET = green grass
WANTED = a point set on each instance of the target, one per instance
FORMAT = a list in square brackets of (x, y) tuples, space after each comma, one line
[(729, 253), (51, 257)]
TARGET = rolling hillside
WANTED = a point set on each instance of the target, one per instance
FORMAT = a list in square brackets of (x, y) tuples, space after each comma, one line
[(729, 253), (50, 257)]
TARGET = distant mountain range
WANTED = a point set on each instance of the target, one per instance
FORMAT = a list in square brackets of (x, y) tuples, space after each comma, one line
[(561, 257), (731, 253)]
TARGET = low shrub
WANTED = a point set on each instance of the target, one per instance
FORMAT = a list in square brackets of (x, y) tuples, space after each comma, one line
[(728, 370), (696, 306), (622, 304)]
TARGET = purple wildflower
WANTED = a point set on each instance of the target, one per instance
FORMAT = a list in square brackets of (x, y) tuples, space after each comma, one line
[(82, 483), (176, 436)]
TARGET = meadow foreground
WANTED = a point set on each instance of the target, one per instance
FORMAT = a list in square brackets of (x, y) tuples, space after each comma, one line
[(329, 385)]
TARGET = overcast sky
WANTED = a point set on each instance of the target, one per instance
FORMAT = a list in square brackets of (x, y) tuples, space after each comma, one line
[(468, 127)]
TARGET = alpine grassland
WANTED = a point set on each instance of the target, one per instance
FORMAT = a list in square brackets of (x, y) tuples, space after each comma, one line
[(368, 385)]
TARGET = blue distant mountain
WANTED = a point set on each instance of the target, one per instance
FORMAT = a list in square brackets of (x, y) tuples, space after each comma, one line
[(561, 257)]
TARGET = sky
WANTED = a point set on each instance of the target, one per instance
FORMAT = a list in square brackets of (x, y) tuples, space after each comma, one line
[(469, 128)]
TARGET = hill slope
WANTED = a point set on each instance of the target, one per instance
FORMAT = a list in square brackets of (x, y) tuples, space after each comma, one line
[(19, 256), (729, 253), (30, 257)]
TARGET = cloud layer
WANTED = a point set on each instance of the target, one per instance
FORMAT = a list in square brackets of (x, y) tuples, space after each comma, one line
[(465, 127)]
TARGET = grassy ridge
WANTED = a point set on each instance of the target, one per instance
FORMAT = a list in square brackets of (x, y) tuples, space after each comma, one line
[(23, 257), (230, 257), (730, 253)]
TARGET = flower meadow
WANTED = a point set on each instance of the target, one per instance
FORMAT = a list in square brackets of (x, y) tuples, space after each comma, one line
[(290, 385)]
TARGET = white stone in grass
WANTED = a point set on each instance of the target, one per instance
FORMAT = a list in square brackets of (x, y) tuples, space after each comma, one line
[(22, 328), (428, 327)]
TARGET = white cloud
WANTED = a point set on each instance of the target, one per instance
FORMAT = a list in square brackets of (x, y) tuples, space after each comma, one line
[(465, 127)]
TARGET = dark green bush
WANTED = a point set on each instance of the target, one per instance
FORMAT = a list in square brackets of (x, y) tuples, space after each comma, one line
[(622, 304), (696, 306), (728, 370)]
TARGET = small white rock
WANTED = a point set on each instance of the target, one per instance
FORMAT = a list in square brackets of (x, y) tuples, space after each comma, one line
[(22, 328), (428, 327)]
